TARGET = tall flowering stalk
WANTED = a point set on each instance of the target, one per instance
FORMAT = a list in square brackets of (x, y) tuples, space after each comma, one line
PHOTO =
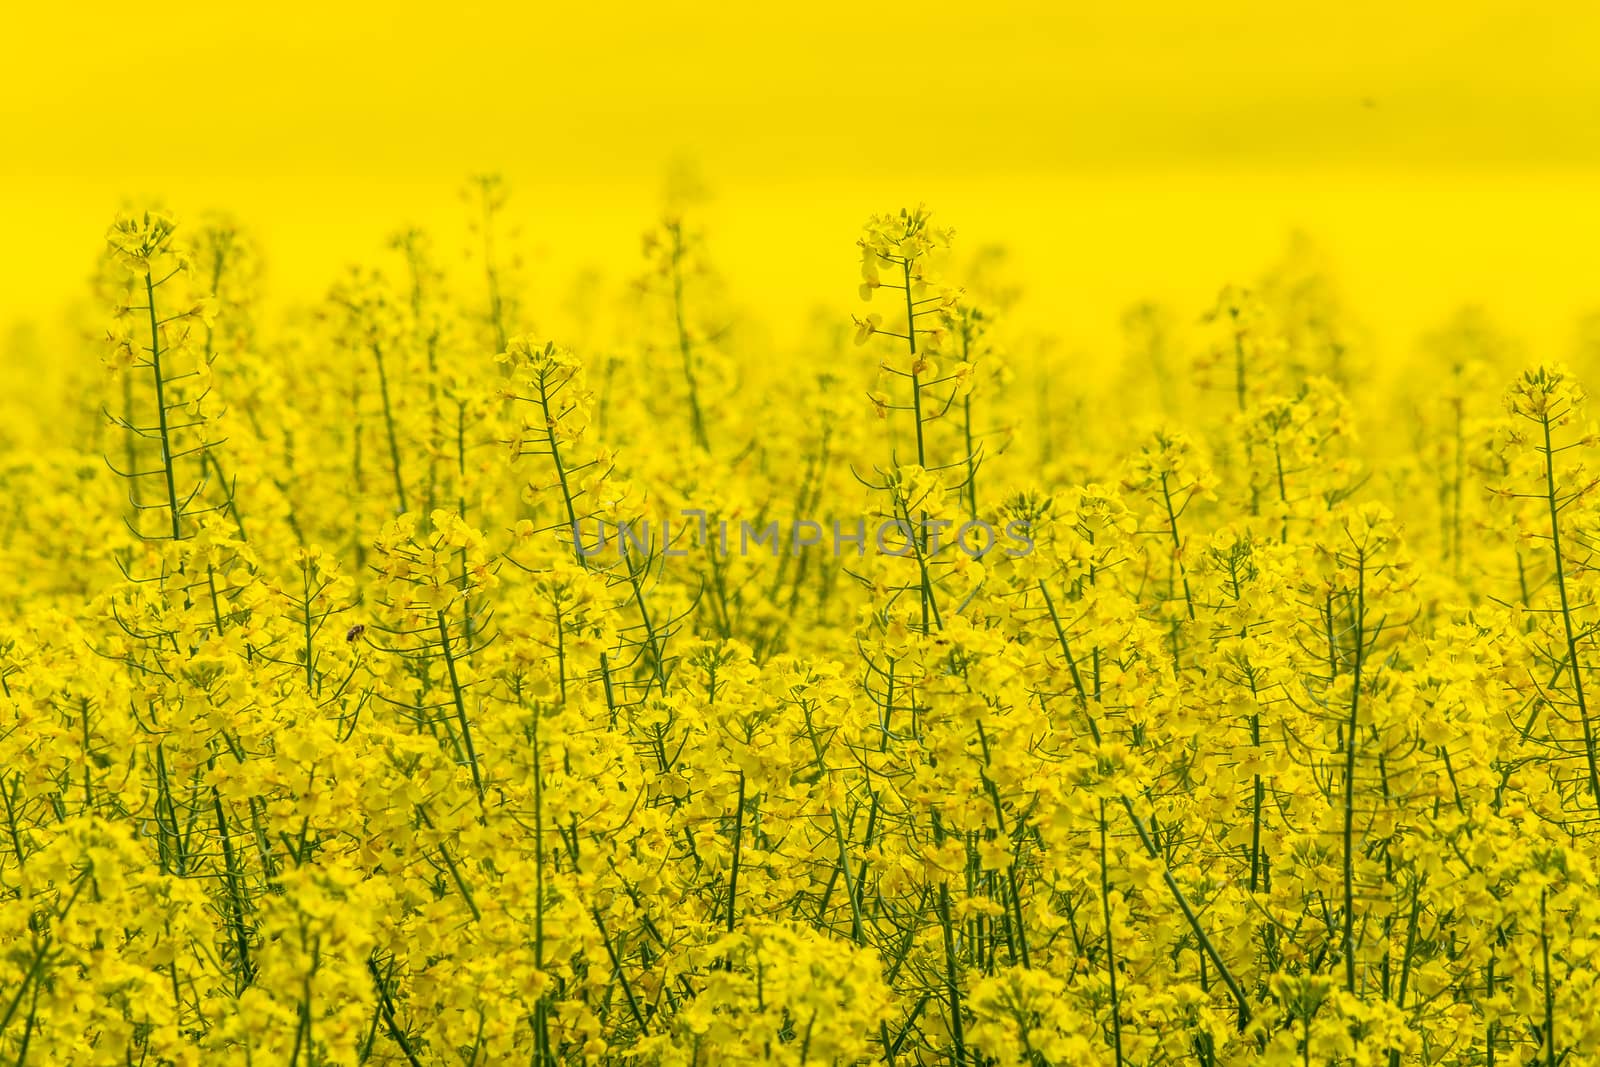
[(1549, 401), (157, 336)]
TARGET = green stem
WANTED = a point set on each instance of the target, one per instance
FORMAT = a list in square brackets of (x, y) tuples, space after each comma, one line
[(161, 409), (738, 833), (1566, 615), (1111, 949), (1348, 934), (388, 422), (461, 704)]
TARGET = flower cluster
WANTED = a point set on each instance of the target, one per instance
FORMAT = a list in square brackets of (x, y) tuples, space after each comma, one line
[(324, 741)]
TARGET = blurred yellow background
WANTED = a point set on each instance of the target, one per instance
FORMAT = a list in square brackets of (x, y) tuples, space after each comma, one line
[(1440, 153)]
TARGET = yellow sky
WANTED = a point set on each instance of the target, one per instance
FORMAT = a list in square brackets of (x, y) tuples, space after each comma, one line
[(1440, 151)]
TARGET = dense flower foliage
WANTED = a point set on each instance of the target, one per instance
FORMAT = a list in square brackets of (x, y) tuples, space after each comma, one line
[(388, 683)]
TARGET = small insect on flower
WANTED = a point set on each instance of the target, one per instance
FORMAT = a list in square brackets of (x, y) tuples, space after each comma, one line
[(354, 633)]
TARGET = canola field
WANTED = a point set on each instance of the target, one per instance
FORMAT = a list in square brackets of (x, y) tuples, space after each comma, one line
[(384, 682)]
